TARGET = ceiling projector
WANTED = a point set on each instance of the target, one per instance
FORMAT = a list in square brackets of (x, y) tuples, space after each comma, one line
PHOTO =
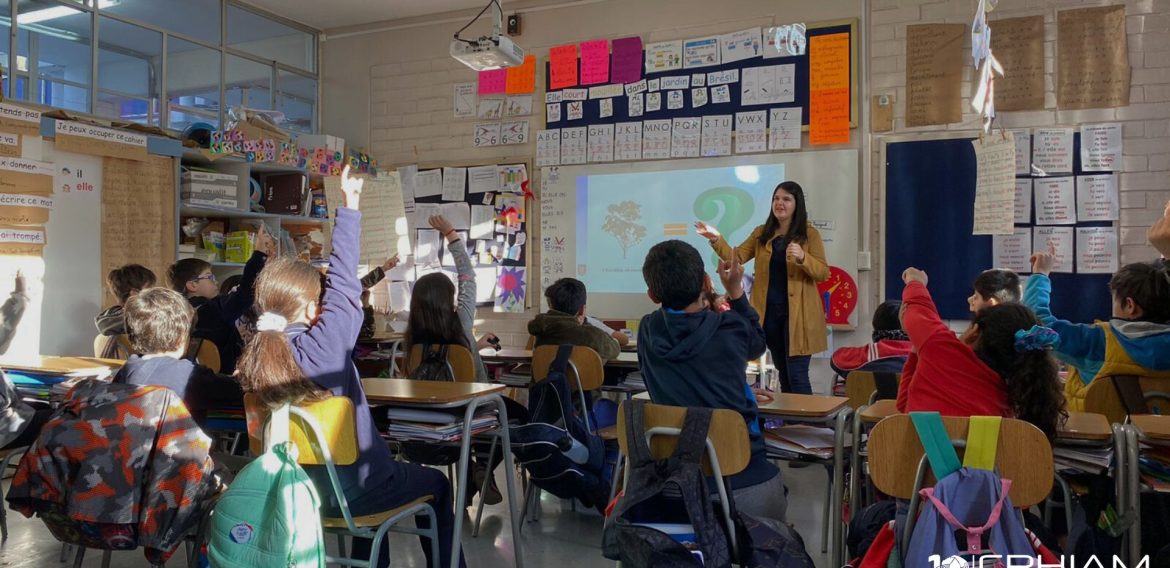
[(487, 53)]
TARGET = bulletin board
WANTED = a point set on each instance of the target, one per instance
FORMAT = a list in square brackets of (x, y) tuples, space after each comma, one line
[(930, 196), (592, 108)]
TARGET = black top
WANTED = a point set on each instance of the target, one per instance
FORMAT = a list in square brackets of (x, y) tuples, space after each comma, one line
[(778, 278)]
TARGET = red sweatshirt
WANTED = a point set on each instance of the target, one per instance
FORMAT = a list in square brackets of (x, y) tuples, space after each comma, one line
[(943, 374)]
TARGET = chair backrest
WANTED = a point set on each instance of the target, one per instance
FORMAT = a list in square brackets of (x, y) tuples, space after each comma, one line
[(208, 355), (118, 347), (335, 415), (458, 357), (727, 433), (1102, 397), (585, 366), (531, 343), (861, 387), (1024, 456), (100, 343)]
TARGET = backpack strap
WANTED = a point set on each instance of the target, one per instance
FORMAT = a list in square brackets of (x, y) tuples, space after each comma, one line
[(692, 441), (887, 385), (278, 424), (1129, 389), (982, 442), (636, 444), (562, 360), (974, 534), (937, 443)]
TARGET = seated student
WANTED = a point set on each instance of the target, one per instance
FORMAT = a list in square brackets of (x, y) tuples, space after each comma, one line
[(994, 287), (566, 323), (1000, 366), (123, 282), (216, 314), (20, 422), (302, 353), (1135, 341), (158, 321), (692, 355), (888, 351)]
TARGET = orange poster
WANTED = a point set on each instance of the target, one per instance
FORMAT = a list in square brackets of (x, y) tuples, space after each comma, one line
[(828, 121), (522, 78), (562, 66)]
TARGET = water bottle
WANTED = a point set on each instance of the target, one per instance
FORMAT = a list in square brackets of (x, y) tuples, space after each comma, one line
[(574, 450)]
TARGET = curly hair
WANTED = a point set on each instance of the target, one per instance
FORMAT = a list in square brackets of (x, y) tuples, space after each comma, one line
[(1031, 377)]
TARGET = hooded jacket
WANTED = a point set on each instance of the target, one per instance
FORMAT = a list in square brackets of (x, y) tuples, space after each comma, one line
[(200, 388), (14, 412), (699, 359), (559, 328), (1116, 347), (112, 321)]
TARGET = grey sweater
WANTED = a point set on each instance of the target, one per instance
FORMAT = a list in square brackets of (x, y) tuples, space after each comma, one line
[(466, 305), (14, 413)]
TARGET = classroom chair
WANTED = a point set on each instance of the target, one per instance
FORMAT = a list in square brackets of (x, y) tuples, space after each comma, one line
[(899, 468), (728, 447), (324, 433), (118, 347), (459, 361), (1118, 396), (866, 387)]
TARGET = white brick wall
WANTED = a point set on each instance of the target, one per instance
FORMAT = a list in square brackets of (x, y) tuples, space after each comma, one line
[(1145, 177)]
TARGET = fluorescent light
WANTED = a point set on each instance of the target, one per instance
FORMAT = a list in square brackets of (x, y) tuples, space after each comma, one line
[(55, 12), (747, 174)]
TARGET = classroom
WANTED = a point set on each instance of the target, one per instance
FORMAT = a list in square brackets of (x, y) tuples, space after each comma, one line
[(648, 283)]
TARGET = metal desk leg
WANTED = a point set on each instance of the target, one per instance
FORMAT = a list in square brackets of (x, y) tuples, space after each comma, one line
[(1133, 449), (855, 464), (461, 471), (510, 478), (838, 486), (394, 358)]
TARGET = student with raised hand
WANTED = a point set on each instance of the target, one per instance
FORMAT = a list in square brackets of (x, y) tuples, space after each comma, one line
[(1136, 339), (20, 422), (789, 262), (216, 313), (1000, 366), (302, 353), (693, 355), (1159, 233), (994, 287)]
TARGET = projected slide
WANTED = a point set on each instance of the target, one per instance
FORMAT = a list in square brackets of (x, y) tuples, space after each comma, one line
[(620, 216)]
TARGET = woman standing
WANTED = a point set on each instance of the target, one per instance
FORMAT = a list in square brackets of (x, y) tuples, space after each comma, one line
[(785, 290)]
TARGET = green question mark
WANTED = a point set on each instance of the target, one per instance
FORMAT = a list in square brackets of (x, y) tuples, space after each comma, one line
[(726, 208)]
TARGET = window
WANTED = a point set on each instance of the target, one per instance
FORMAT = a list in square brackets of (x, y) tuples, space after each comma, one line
[(192, 83), (297, 100), (271, 40), (59, 36), (129, 71), (248, 83), (198, 19)]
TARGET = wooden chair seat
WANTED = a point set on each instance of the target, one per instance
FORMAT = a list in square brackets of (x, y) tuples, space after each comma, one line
[(878, 410), (376, 519), (608, 433)]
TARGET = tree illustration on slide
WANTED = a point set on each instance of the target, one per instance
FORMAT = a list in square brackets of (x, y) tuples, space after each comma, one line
[(622, 224)]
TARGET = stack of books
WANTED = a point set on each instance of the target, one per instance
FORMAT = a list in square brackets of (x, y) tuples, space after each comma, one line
[(801, 441), (1155, 467), (434, 426), (1080, 459)]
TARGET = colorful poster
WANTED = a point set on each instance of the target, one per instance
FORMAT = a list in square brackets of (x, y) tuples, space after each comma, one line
[(562, 66), (740, 45), (493, 82), (701, 52), (595, 62), (626, 60), (663, 56), (510, 290), (521, 79), (829, 89)]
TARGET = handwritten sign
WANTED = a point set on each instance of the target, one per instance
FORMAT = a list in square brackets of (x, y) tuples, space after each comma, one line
[(138, 213), (25, 176), (20, 120), (934, 73), (595, 62), (685, 138), (521, 79), (562, 63), (384, 227), (1018, 44), (995, 185), (751, 132), (828, 121), (626, 60), (1092, 65), (548, 147), (22, 241), (656, 139), (493, 82), (10, 145), (98, 141)]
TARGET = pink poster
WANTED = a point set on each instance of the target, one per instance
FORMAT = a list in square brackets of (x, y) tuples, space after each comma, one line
[(595, 62), (626, 62), (493, 82)]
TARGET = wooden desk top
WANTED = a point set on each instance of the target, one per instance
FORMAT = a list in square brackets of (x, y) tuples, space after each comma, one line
[(803, 405), (425, 392), (878, 410), (383, 337), (1152, 426), (1085, 426), (54, 365)]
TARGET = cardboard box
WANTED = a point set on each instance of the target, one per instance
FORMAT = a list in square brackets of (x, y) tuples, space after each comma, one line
[(238, 246), (327, 141), (209, 189), (284, 194)]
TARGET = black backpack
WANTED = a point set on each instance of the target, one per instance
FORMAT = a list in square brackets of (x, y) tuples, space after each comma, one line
[(668, 492), (554, 433), (434, 366)]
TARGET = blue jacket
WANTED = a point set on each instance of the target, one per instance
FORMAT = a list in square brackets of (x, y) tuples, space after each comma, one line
[(699, 360)]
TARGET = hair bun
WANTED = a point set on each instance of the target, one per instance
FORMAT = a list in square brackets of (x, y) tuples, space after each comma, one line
[(1038, 338)]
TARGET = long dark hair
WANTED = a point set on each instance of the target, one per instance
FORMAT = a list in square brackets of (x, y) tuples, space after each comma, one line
[(1031, 376), (798, 228), (432, 313)]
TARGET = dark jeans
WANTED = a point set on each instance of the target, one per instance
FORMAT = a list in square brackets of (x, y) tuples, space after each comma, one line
[(409, 483), (793, 370)]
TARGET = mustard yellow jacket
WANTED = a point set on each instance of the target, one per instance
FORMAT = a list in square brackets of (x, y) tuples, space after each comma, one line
[(806, 310)]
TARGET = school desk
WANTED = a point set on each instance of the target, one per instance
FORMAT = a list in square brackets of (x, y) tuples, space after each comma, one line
[(66, 366), (866, 415), (1087, 429), (393, 338), (443, 395)]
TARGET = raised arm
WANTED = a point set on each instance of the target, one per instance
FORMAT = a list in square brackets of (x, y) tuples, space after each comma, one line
[(1076, 339), (467, 287), (919, 315), (743, 253), (731, 274), (11, 313)]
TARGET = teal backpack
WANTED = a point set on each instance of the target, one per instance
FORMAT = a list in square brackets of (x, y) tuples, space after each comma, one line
[(270, 515)]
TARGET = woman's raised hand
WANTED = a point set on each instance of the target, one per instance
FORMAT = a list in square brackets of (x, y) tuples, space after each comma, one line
[(706, 231)]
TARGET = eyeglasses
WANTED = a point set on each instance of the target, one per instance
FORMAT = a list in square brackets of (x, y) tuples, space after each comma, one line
[(210, 277)]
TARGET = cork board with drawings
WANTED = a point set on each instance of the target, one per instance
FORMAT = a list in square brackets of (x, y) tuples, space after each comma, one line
[(487, 203)]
